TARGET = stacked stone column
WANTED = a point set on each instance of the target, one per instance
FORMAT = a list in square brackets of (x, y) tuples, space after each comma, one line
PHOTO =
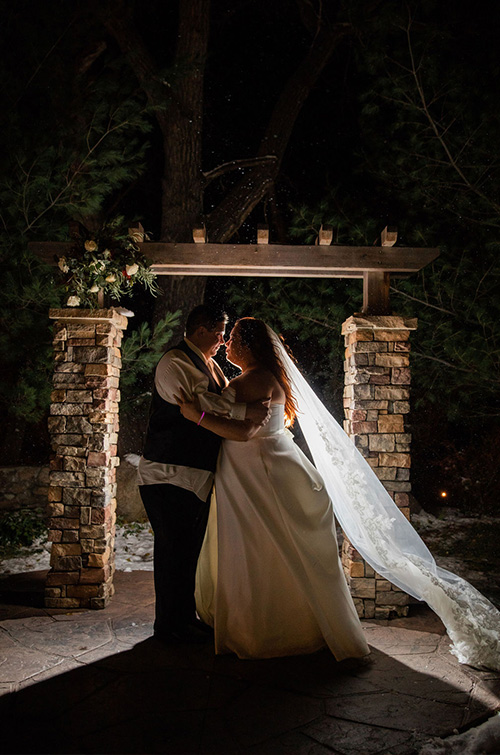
[(83, 425), (376, 406)]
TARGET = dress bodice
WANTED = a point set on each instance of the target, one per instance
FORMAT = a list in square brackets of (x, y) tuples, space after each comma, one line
[(276, 424)]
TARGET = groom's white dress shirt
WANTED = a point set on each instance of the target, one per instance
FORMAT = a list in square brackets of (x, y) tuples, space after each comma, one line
[(175, 372)]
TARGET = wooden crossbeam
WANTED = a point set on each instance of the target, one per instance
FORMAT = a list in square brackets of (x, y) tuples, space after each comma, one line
[(268, 260), (373, 264)]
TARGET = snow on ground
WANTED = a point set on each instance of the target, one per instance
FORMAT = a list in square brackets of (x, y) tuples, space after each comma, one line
[(133, 552), (477, 741)]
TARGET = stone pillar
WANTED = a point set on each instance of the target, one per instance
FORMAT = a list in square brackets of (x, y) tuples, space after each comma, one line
[(376, 406), (83, 425)]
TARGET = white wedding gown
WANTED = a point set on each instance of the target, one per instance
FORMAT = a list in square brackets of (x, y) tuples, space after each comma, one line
[(269, 578), (273, 585)]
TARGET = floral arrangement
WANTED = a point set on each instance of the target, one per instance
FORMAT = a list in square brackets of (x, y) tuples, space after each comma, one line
[(108, 262)]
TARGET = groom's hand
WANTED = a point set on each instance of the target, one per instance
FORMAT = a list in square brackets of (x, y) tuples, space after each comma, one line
[(259, 411)]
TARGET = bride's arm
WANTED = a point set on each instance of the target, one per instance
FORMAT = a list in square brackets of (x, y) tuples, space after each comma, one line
[(231, 429)]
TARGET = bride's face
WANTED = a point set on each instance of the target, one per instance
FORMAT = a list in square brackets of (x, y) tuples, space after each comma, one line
[(235, 351)]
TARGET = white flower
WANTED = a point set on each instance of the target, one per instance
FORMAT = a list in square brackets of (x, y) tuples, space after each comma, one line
[(110, 278), (132, 269), (106, 254), (90, 246), (63, 265), (94, 289), (73, 301)]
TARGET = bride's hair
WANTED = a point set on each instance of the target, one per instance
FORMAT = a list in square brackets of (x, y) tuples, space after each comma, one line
[(255, 336)]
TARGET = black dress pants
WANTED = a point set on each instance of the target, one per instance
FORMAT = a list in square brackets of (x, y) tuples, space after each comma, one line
[(179, 520)]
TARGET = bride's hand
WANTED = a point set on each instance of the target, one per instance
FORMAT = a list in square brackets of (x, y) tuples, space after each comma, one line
[(189, 409)]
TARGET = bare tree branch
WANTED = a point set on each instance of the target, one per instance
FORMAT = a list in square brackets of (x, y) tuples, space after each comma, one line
[(439, 133), (230, 165)]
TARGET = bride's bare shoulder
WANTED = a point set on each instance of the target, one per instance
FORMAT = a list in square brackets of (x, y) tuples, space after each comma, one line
[(256, 384)]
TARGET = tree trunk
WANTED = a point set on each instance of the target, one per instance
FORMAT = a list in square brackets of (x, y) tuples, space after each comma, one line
[(182, 188), (179, 113), (182, 191)]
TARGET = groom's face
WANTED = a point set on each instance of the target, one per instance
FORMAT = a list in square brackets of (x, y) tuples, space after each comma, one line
[(212, 340)]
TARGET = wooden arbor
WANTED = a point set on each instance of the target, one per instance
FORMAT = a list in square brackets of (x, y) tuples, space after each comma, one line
[(373, 264), (84, 411)]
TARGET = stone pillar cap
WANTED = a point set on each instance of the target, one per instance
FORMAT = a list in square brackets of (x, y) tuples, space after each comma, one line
[(378, 322), (76, 314)]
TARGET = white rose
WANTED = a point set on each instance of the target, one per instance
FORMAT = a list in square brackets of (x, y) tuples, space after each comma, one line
[(110, 278), (132, 269), (90, 246), (73, 301), (63, 265), (94, 289)]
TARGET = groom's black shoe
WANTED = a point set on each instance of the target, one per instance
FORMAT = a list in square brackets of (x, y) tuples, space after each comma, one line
[(187, 635)]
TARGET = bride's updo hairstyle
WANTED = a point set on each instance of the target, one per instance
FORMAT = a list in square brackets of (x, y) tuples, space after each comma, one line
[(254, 335)]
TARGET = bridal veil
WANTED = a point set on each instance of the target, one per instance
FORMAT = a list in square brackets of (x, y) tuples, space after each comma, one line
[(384, 537)]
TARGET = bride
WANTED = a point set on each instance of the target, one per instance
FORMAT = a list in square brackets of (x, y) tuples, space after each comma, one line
[(269, 578)]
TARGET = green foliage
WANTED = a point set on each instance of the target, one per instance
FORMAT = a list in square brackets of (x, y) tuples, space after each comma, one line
[(141, 350), (27, 292), (20, 529), (89, 144), (72, 169)]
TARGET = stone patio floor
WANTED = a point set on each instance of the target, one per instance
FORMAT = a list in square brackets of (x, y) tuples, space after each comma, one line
[(96, 682)]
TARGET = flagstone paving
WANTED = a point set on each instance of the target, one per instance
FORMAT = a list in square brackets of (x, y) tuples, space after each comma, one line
[(97, 682)]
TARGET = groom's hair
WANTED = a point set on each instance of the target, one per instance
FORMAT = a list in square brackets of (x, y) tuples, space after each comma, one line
[(206, 316)]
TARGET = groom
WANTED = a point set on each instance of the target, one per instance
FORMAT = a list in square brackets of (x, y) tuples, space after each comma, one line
[(176, 470)]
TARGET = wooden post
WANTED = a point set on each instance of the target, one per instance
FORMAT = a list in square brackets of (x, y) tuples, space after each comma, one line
[(325, 235), (200, 235), (136, 233), (376, 283), (389, 236), (376, 293), (262, 234)]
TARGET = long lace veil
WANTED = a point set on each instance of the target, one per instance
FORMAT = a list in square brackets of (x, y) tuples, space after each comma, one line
[(382, 534)]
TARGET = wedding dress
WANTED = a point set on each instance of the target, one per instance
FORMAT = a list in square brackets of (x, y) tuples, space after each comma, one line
[(269, 578), (370, 519)]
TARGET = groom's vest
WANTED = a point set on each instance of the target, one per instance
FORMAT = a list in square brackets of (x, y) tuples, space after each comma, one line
[(172, 439)]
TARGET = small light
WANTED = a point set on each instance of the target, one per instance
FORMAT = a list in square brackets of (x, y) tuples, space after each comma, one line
[(443, 494)]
